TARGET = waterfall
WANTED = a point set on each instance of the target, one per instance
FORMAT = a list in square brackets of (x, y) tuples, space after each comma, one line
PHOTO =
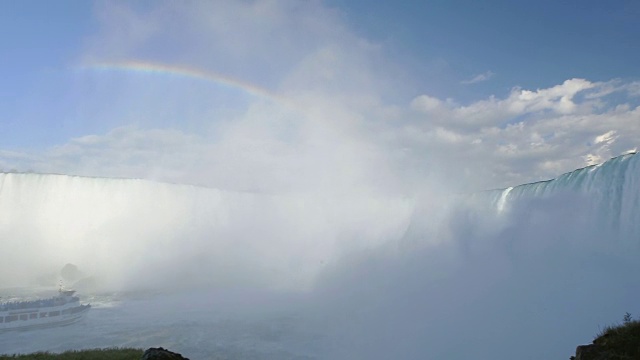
[(482, 276), (547, 263), (610, 192), (132, 230)]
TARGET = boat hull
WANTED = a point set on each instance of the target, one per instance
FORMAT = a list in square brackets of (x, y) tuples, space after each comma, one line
[(45, 322)]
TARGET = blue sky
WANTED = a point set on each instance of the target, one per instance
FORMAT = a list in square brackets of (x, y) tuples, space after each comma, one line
[(40, 40), (422, 84), (529, 44)]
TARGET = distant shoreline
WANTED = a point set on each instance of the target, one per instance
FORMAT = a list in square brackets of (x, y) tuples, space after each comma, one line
[(92, 354)]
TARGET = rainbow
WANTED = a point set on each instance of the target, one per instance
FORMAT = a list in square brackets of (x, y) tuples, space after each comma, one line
[(186, 72)]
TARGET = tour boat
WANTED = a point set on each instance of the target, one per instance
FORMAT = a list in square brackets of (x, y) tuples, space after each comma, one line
[(62, 309)]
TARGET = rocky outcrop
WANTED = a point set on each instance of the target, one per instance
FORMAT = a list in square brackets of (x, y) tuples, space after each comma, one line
[(620, 342), (70, 273), (161, 354), (591, 352)]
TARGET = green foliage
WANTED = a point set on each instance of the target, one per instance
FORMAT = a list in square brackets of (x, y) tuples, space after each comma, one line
[(95, 354)]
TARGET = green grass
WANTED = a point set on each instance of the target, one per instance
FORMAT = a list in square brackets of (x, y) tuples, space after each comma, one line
[(94, 354)]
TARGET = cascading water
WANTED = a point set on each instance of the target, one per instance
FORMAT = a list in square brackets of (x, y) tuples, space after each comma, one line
[(612, 189), (372, 277), (139, 233)]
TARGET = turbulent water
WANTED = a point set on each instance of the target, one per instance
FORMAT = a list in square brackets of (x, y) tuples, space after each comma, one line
[(529, 271)]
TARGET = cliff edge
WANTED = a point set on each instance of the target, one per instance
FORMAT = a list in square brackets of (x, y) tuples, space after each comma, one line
[(620, 342)]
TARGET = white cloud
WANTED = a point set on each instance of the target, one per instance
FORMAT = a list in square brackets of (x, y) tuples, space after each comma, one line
[(426, 103), (258, 41), (313, 135), (479, 78), (529, 135), (334, 146), (496, 112), (608, 137), (634, 89), (334, 131)]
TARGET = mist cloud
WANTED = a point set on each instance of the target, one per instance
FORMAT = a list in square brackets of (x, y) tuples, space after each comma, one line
[(341, 192), (494, 284), (338, 129)]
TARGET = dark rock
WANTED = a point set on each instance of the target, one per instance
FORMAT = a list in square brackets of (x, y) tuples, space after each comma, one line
[(161, 354), (591, 352), (70, 273)]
